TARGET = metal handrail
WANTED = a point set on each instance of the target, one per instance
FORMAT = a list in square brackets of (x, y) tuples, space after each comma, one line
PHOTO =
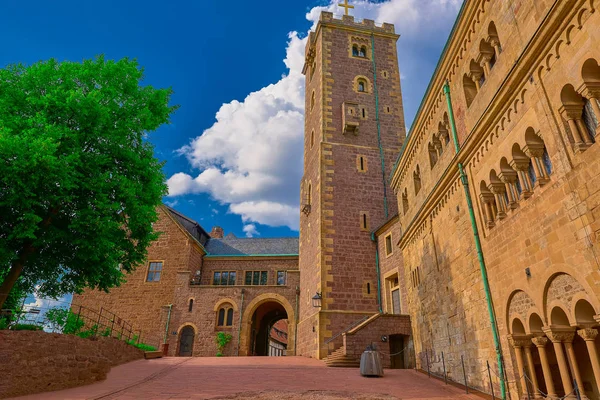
[(354, 325)]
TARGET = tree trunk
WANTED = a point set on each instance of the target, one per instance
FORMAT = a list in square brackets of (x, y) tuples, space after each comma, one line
[(15, 271)]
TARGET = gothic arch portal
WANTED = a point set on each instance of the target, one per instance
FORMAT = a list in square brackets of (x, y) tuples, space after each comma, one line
[(252, 307)]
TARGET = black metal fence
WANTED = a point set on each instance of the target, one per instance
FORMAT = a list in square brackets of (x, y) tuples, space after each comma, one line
[(90, 322)]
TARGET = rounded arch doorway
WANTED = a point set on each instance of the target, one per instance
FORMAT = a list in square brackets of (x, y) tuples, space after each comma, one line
[(186, 341), (265, 328)]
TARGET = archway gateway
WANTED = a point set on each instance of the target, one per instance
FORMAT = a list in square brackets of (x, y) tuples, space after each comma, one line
[(258, 319)]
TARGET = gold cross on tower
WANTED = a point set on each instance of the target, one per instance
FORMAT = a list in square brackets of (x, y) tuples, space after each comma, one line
[(346, 6)]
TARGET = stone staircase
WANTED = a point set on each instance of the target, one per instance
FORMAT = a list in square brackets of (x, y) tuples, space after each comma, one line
[(339, 359)]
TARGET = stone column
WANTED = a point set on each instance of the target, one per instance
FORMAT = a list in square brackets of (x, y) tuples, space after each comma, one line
[(498, 189), (532, 375), (486, 200), (485, 63), (510, 178), (589, 335), (536, 152), (476, 77), (518, 344), (557, 338), (568, 342), (572, 113), (496, 45), (540, 342), (521, 165)]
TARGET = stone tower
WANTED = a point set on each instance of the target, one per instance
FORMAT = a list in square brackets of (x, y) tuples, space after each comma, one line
[(354, 129)]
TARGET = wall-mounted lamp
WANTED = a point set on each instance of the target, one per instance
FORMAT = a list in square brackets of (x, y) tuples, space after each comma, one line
[(316, 300)]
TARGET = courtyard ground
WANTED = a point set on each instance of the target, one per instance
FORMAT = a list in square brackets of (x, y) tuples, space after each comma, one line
[(289, 378)]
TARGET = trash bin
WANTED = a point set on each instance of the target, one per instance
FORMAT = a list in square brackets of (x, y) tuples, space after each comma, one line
[(370, 363)]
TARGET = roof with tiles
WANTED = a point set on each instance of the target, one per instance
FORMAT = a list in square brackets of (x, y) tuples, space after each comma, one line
[(233, 246), (190, 225)]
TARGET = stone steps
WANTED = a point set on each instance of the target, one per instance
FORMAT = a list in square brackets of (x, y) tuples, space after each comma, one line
[(340, 360)]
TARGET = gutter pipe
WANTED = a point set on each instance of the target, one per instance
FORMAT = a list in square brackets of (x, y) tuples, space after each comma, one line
[(373, 238), (381, 156), (482, 267)]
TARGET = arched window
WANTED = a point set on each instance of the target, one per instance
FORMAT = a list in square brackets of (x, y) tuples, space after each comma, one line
[(433, 156), (417, 179), (355, 50), (191, 305), (405, 201), (362, 52), (225, 316), (470, 89), (531, 173), (361, 86), (312, 101)]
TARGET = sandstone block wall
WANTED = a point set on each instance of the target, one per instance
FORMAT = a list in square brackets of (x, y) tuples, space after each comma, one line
[(356, 341), (141, 303), (34, 362)]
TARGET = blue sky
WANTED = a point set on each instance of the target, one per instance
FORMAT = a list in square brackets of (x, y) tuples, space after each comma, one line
[(233, 152)]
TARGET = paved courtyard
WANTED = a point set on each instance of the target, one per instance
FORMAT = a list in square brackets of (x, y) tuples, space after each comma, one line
[(254, 378)]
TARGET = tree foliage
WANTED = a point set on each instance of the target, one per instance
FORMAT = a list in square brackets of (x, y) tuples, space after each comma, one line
[(79, 184)]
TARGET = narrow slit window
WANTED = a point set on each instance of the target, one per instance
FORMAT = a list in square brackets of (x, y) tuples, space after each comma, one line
[(191, 305), (230, 317), (388, 245), (368, 288), (364, 112)]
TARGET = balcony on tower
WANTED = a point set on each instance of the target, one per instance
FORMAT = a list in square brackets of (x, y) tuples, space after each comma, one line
[(350, 117)]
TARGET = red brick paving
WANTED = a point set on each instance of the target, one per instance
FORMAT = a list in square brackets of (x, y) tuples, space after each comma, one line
[(205, 378)]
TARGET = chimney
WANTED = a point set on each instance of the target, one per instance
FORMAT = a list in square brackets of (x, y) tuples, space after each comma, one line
[(217, 232)]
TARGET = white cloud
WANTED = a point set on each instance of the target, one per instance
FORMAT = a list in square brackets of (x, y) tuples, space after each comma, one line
[(250, 230), (251, 157), (172, 203)]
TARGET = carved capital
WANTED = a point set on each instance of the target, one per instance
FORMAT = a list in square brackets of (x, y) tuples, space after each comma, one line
[(539, 341), (534, 150), (519, 341), (520, 164), (588, 333), (559, 336), (497, 188), (487, 197), (508, 176), (572, 111)]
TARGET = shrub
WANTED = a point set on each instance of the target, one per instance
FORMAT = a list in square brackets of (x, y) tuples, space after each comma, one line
[(64, 320), (222, 340), (3, 324), (26, 327), (141, 346), (88, 333)]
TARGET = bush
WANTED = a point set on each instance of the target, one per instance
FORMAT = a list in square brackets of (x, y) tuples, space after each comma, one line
[(222, 340), (3, 324), (88, 333), (64, 320), (26, 327), (141, 346)]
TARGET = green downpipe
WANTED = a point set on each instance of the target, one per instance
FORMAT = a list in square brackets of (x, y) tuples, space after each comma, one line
[(373, 238), (381, 156), (297, 319), (167, 325), (482, 267)]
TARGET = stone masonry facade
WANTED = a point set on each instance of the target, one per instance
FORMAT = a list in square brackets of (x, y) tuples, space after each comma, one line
[(186, 295), (523, 78), (344, 191)]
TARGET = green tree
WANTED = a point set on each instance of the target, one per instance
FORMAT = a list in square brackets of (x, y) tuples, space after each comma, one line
[(79, 184)]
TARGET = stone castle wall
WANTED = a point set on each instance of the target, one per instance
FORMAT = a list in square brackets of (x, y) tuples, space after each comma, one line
[(144, 304), (539, 242), (34, 361)]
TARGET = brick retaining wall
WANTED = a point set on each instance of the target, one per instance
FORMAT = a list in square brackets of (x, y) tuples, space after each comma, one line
[(34, 362)]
